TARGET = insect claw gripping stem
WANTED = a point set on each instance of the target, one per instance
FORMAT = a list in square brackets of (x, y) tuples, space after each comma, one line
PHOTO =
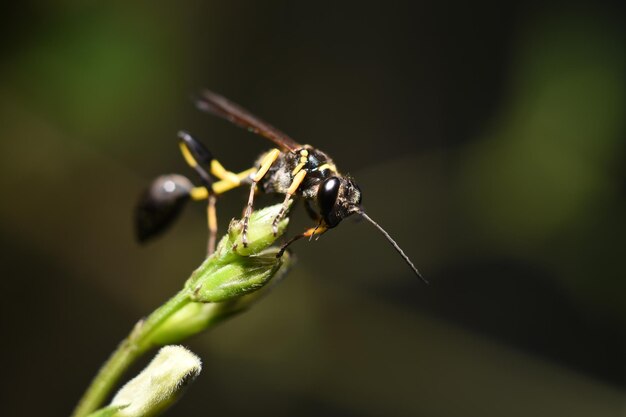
[(277, 220), (247, 214), (265, 165), (244, 236), (281, 214)]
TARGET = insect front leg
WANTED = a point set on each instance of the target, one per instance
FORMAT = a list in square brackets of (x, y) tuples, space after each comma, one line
[(265, 165), (297, 180), (313, 231)]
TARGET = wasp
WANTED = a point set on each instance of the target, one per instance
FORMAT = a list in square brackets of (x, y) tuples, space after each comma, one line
[(290, 169)]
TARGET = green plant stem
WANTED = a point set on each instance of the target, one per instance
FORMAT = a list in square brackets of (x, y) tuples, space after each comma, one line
[(135, 344), (227, 282)]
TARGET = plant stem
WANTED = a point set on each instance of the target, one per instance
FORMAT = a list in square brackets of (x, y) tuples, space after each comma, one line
[(133, 346), (226, 282)]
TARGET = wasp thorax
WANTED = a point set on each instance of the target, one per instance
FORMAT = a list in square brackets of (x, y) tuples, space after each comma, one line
[(337, 198)]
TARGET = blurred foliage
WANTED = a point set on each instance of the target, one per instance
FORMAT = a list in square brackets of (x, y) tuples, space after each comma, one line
[(549, 162)]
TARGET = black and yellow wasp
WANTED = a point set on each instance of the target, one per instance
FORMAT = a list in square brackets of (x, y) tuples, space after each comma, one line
[(290, 169)]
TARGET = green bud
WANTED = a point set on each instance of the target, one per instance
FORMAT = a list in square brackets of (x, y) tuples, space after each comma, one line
[(232, 265), (243, 275), (197, 316), (229, 281), (226, 283), (158, 385), (260, 233), (236, 294)]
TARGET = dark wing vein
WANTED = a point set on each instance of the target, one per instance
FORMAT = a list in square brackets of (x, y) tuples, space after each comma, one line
[(217, 105)]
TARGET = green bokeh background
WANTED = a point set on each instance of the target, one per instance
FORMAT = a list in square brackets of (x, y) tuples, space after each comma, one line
[(487, 138)]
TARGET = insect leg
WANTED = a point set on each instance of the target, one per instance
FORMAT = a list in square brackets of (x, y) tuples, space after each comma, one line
[(317, 230), (210, 194), (228, 180), (297, 180), (212, 223), (265, 165), (222, 173), (196, 155), (220, 187)]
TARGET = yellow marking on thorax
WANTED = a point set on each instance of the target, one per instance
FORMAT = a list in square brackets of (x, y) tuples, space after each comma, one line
[(330, 167), (304, 158)]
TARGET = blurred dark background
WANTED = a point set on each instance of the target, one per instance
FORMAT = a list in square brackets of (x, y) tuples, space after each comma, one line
[(488, 138)]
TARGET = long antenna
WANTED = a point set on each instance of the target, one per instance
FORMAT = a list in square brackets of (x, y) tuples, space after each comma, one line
[(394, 244)]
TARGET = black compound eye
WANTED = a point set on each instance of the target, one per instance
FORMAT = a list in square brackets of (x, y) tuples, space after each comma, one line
[(327, 196)]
